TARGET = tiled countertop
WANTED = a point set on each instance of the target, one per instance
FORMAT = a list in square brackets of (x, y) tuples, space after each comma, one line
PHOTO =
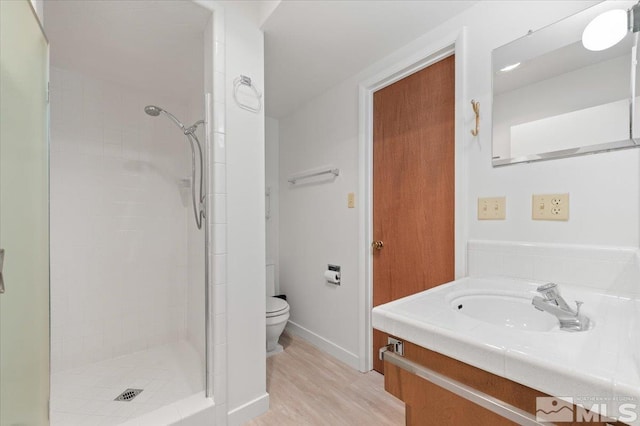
[(601, 362)]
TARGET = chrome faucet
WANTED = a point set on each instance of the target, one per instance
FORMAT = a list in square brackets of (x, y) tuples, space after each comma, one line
[(552, 302)]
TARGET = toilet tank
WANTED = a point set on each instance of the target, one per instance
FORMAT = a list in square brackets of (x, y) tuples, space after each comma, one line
[(271, 279)]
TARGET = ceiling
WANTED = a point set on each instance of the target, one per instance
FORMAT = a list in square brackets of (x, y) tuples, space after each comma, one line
[(310, 46), (150, 45)]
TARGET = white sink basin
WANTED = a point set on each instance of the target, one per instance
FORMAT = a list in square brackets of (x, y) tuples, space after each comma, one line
[(498, 330), (508, 310)]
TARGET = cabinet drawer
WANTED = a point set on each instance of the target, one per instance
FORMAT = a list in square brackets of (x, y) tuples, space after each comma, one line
[(437, 390)]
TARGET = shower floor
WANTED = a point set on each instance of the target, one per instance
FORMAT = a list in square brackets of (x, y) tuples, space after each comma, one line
[(85, 396)]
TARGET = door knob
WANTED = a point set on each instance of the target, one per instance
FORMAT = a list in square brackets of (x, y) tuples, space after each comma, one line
[(377, 245)]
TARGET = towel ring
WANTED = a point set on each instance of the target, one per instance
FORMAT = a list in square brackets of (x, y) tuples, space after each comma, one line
[(243, 80)]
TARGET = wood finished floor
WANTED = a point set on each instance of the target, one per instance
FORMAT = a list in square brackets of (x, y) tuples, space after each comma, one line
[(308, 387)]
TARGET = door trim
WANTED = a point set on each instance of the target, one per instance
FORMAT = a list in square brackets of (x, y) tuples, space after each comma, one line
[(454, 43)]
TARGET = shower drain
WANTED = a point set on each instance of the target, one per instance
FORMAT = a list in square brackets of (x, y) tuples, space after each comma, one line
[(128, 395)]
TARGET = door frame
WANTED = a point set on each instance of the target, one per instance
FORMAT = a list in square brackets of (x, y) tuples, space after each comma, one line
[(397, 69)]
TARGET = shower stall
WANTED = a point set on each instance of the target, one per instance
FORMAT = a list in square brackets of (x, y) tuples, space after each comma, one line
[(129, 288)]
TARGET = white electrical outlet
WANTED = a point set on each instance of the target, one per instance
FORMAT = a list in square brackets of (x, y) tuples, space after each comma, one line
[(550, 207), (493, 208)]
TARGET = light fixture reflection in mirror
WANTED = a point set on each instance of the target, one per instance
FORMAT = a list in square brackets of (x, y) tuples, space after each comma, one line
[(605, 30), (510, 67)]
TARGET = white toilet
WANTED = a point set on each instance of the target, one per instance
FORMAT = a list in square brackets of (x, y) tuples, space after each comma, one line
[(277, 314)]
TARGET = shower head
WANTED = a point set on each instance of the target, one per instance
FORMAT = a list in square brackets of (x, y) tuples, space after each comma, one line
[(153, 110), (198, 207)]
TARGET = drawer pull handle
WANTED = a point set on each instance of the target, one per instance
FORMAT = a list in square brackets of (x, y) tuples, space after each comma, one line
[(482, 399)]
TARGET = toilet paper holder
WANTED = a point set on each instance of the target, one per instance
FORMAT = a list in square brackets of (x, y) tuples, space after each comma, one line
[(332, 275)]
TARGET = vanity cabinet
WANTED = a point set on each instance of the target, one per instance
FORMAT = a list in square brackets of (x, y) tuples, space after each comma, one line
[(430, 404)]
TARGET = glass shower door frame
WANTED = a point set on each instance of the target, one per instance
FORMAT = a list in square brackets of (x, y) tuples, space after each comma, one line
[(24, 217)]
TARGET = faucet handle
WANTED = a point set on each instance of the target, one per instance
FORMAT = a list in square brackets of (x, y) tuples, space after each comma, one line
[(578, 305), (549, 291), (546, 287)]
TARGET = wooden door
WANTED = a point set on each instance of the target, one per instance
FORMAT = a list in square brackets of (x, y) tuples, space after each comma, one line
[(413, 186)]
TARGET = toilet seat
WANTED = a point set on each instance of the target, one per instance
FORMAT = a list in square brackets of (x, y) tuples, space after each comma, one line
[(276, 307)]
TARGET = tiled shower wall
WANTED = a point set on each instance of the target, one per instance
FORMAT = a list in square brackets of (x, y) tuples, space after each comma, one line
[(120, 208)]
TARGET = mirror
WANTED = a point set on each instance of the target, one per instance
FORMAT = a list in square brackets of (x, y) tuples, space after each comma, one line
[(562, 99)]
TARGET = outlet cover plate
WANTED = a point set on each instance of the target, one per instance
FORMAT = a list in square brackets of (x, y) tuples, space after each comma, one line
[(550, 207), (492, 208)]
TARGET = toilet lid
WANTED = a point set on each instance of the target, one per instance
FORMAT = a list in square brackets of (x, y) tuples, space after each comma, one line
[(275, 304)]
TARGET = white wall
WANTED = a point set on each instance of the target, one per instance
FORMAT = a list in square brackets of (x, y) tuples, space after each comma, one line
[(272, 137), (587, 179), (118, 221), (317, 228), (245, 238)]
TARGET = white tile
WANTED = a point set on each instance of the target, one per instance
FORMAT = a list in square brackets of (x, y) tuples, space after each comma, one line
[(220, 239), (91, 143), (484, 263), (219, 151), (220, 327), (221, 414), (220, 388), (131, 144), (219, 270), (219, 25), (517, 265), (555, 380), (218, 89), (56, 115), (115, 201), (112, 136), (177, 364), (219, 63), (219, 299), (55, 77), (196, 411), (220, 208), (164, 415), (219, 178), (219, 359), (70, 419), (219, 124)]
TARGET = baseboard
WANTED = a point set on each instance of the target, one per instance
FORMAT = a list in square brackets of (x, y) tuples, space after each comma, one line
[(349, 358), (252, 409)]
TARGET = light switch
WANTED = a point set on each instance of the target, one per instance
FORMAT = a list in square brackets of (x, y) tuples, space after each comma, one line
[(351, 200), (492, 208)]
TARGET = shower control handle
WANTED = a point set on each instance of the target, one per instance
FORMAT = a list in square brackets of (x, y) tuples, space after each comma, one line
[(1, 264)]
